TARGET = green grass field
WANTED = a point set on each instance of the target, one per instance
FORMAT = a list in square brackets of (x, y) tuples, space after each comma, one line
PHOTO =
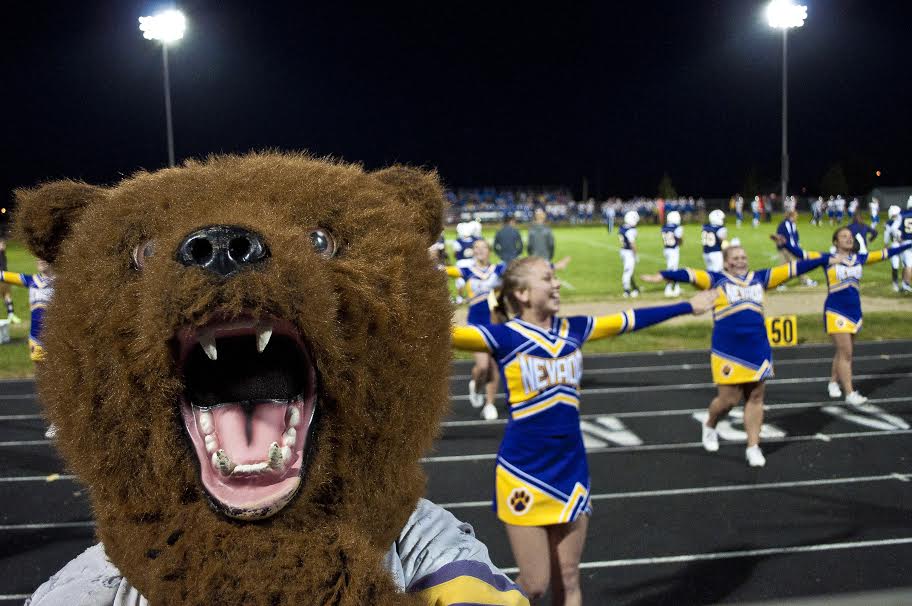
[(594, 275)]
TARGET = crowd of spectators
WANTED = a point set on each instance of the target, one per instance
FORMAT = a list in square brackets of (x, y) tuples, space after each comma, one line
[(491, 205)]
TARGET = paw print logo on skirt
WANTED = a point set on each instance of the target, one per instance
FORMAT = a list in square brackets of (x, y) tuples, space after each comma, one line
[(519, 501), (726, 370)]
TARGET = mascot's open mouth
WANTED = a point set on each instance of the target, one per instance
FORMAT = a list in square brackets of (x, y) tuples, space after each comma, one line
[(248, 407)]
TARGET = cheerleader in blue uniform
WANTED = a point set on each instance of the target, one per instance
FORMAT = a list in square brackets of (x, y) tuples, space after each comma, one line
[(842, 308), (741, 357), (541, 478), (480, 279)]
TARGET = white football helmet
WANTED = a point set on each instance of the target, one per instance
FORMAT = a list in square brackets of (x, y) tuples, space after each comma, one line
[(462, 230), (717, 218), (909, 202), (893, 211), (631, 218), (673, 218), (475, 228)]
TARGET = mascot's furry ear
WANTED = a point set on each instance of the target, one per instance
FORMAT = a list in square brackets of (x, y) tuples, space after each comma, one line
[(45, 214), (422, 192)]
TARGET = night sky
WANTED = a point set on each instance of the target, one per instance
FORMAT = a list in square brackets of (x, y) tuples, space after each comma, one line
[(488, 93)]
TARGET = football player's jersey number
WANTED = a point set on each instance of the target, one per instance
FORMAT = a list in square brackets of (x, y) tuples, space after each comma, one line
[(669, 238), (709, 238), (907, 225)]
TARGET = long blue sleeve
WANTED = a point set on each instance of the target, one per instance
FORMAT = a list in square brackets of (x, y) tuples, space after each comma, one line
[(676, 275), (802, 267), (647, 316)]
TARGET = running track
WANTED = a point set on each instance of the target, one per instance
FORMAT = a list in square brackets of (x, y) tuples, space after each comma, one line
[(830, 514)]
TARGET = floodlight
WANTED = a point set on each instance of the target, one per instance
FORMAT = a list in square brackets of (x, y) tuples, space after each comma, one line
[(783, 14), (167, 26)]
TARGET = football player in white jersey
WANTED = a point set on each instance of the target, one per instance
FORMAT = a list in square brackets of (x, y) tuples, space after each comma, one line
[(893, 238), (713, 238), (628, 234), (672, 238)]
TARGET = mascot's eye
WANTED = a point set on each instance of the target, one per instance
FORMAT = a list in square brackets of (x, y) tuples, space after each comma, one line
[(142, 252), (323, 242)]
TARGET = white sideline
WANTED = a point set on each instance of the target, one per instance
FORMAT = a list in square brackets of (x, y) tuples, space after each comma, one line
[(896, 477), (746, 553)]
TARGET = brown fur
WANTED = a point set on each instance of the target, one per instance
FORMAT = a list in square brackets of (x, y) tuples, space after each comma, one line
[(376, 317)]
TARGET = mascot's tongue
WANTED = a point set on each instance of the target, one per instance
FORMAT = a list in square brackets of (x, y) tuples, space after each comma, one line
[(250, 454), (248, 437)]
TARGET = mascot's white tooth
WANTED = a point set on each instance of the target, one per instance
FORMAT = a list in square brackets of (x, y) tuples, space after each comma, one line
[(294, 416), (286, 454), (207, 341), (223, 462), (205, 422), (275, 456), (289, 437), (263, 333), (211, 443)]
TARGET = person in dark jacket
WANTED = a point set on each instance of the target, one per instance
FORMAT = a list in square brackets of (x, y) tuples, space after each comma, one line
[(541, 239), (508, 243)]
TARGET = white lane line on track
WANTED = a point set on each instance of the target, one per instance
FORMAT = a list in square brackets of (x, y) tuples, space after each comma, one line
[(703, 350), (54, 477), (626, 415), (746, 553), (683, 386), (817, 436), (901, 477), (677, 411), (700, 366), (689, 445), (48, 525), (9, 597), (25, 443), (20, 396), (19, 417)]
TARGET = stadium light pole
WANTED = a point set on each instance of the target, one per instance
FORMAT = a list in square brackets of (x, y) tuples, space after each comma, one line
[(784, 15), (167, 27)]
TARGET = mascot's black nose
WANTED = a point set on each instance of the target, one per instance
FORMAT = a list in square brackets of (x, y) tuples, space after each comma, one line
[(223, 249)]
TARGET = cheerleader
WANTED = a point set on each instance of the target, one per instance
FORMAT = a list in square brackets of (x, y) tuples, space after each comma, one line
[(842, 308), (41, 288), (741, 357), (480, 279), (541, 477)]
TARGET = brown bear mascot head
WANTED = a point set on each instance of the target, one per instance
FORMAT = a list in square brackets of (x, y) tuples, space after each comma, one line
[(246, 358)]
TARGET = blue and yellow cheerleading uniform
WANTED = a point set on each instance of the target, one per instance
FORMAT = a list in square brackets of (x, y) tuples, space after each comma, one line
[(842, 308), (542, 477), (41, 288), (741, 351), (479, 283)]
